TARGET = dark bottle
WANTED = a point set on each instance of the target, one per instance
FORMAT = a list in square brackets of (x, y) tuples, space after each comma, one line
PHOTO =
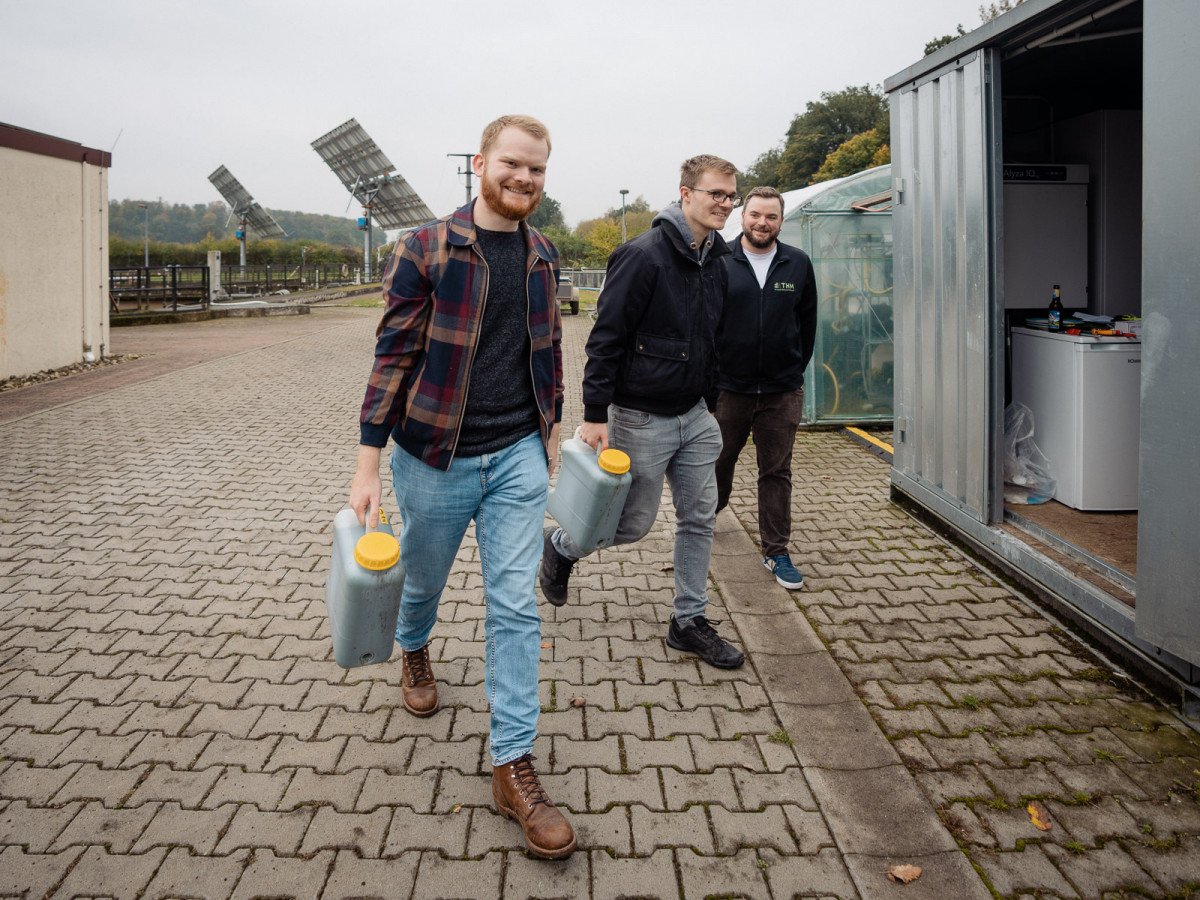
[(1054, 315)]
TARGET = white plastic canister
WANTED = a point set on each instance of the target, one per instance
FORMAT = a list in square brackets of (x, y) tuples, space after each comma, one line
[(362, 592), (590, 493)]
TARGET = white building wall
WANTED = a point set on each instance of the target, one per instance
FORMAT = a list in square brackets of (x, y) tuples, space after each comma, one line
[(53, 261)]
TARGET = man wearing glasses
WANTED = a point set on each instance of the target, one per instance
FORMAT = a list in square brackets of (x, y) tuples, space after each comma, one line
[(649, 389)]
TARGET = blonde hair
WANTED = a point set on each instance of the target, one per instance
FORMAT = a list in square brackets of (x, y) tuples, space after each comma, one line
[(527, 124), (692, 169)]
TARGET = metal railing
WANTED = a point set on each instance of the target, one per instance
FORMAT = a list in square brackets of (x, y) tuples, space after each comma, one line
[(157, 288), (585, 278), (273, 278)]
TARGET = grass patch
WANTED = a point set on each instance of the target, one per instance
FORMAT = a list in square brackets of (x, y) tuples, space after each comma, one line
[(781, 737)]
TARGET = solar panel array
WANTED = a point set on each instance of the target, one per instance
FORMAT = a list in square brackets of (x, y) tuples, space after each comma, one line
[(365, 172), (244, 206)]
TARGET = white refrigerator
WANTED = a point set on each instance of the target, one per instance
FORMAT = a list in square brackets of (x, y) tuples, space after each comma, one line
[(1085, 395)]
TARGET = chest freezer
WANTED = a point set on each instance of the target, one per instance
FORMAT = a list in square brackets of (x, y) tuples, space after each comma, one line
[(1085, 395)]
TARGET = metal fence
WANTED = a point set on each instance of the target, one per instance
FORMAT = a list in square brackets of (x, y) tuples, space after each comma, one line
[(138, 289), (588, 279), (271, 279), (164, 288)]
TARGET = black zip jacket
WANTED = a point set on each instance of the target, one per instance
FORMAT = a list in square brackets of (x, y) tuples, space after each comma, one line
[(653, 347), (766, 337)]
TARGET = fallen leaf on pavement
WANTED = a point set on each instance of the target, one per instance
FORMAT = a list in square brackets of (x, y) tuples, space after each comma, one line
[(577, 702), (547, 644), (1038, 816), (457, 808), (669, 567), (904, 873)]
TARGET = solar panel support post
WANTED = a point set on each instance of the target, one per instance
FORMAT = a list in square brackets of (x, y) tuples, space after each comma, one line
[(241, 236), (367, 247), (368, 202)]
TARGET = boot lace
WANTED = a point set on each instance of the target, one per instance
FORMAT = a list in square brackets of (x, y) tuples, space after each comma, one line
[(417, 664), (706, 632), (528, 785)]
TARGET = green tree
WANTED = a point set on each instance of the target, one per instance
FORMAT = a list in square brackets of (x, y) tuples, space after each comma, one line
[(548, 214), (824, 126), (763, 172), (180, 223), (572, 249), (640, 205), (989, 11), (938, 43), (602, 239), (860, 152)]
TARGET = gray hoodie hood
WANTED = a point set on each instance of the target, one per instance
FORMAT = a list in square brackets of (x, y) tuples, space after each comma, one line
[(673, 218)]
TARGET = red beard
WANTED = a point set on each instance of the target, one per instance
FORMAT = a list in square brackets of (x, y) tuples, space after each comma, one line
[(505, 204)]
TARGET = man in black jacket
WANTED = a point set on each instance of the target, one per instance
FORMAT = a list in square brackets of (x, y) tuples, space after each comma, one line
[(649, 388), (765, 344)]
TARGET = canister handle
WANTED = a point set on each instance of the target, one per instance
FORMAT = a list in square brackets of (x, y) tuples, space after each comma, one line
[(579, 437)]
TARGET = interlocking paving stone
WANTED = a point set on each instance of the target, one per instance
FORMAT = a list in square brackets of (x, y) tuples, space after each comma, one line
[(268, 875), (438, 877), (99, 873), (370, 879), (170, 710), (281, 831)]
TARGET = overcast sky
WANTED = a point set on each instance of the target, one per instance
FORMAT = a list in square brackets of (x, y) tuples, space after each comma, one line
[(628, 88)]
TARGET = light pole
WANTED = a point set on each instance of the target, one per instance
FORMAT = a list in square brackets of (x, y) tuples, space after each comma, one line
[(624, 191), (467, 171), (146, 258)]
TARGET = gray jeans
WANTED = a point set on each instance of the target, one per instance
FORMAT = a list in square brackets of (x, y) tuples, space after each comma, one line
[(684, 450)]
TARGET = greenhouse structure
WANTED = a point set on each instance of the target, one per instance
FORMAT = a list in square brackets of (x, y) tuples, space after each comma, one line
[(845, 226)]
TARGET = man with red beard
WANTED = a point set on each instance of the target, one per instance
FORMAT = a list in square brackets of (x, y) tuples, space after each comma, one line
[(468, 382), (765, 343)]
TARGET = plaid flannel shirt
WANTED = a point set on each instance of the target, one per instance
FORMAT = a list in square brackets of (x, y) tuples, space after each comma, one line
[(435, 285)]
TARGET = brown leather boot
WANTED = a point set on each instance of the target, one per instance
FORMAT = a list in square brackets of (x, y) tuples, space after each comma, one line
[(417, 685), (520, 796)]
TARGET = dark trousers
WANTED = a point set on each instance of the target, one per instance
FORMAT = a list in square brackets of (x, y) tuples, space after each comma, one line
[(773, 420)]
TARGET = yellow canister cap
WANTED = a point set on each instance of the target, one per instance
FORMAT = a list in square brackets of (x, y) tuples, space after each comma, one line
[(615, 461), (377, 550)]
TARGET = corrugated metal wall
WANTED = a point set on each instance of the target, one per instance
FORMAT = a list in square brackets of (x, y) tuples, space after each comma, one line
[(946, 171)]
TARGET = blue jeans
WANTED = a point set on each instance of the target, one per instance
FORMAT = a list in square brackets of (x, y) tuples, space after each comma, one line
[(684, 450), (505, 493)]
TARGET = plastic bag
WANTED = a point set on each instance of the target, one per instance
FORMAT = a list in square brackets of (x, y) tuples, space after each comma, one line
[(1028, 474)]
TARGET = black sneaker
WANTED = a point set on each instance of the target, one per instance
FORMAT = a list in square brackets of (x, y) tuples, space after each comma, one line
[(699, 637), (555, 571)]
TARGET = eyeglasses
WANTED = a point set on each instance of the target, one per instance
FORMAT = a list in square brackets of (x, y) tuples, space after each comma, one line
[(721, 196)]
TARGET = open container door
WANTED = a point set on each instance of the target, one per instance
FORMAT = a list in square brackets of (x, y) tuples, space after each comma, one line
[(1168, 607), (949, 373)]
